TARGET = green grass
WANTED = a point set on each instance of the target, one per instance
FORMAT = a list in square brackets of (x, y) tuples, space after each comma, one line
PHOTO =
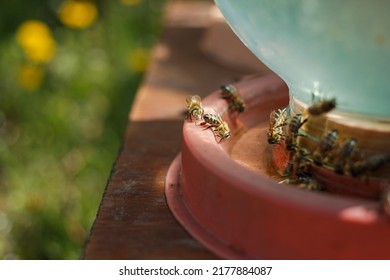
[(59, 142)]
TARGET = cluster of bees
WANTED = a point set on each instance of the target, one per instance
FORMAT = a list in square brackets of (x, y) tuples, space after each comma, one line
[(341, 157), (214, 121)]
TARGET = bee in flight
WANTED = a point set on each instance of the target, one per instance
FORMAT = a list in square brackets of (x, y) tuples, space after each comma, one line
[(219, 127), (194, 109), (231, 94), (277, 120), (321, 107)]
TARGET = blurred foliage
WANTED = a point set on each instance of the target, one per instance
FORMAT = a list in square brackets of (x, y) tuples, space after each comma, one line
[(69, 74)]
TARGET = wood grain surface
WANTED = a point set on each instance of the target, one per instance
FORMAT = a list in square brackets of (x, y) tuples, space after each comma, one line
[(133, 220)]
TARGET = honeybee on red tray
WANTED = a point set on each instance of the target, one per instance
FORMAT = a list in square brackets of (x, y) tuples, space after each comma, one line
[(369, 164), (344, 154), (219, 127), (294, 125), (231, 94), (277, 119), (326, 145), (194, 109)]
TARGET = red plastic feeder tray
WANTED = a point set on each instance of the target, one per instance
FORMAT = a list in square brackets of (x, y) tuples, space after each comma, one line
[(228, 197)]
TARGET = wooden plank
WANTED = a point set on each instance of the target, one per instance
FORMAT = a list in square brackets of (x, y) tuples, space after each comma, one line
[(133, 220)]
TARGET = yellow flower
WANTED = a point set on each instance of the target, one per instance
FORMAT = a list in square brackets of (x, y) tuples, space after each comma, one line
[(130, 2), (31, 76), (36, 40), (139, 60), (78, 14)]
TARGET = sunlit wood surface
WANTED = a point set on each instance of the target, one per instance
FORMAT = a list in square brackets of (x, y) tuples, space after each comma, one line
[(133, 220)]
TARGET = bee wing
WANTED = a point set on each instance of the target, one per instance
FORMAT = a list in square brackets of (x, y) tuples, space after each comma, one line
[(272, 118), (220, 118), (226, 127), (193, 98), (188, 98), (233, 89)]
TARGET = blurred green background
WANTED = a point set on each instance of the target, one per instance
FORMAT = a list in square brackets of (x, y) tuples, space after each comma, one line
[(69, 71)]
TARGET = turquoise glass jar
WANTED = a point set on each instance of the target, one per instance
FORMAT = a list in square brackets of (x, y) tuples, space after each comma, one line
[(330, 48)]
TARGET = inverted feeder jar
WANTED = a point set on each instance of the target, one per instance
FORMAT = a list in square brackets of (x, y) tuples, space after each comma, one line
[(327, 50)]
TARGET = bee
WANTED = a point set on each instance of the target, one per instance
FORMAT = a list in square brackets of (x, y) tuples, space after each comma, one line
[(298, 164), (303, 177), (303, 163), (195, 109), (321, 107), (326, 145), (231, 94), (294, 125), (304, 181), (370, 164), (346, 151), (277, 120), (219, 127)]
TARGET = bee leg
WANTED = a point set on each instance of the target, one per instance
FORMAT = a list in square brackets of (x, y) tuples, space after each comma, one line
[(284, 181), (205, 125), (288, 181), (222, 139), (202, 123), (302, 123), (215, 133), (214, 130)]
